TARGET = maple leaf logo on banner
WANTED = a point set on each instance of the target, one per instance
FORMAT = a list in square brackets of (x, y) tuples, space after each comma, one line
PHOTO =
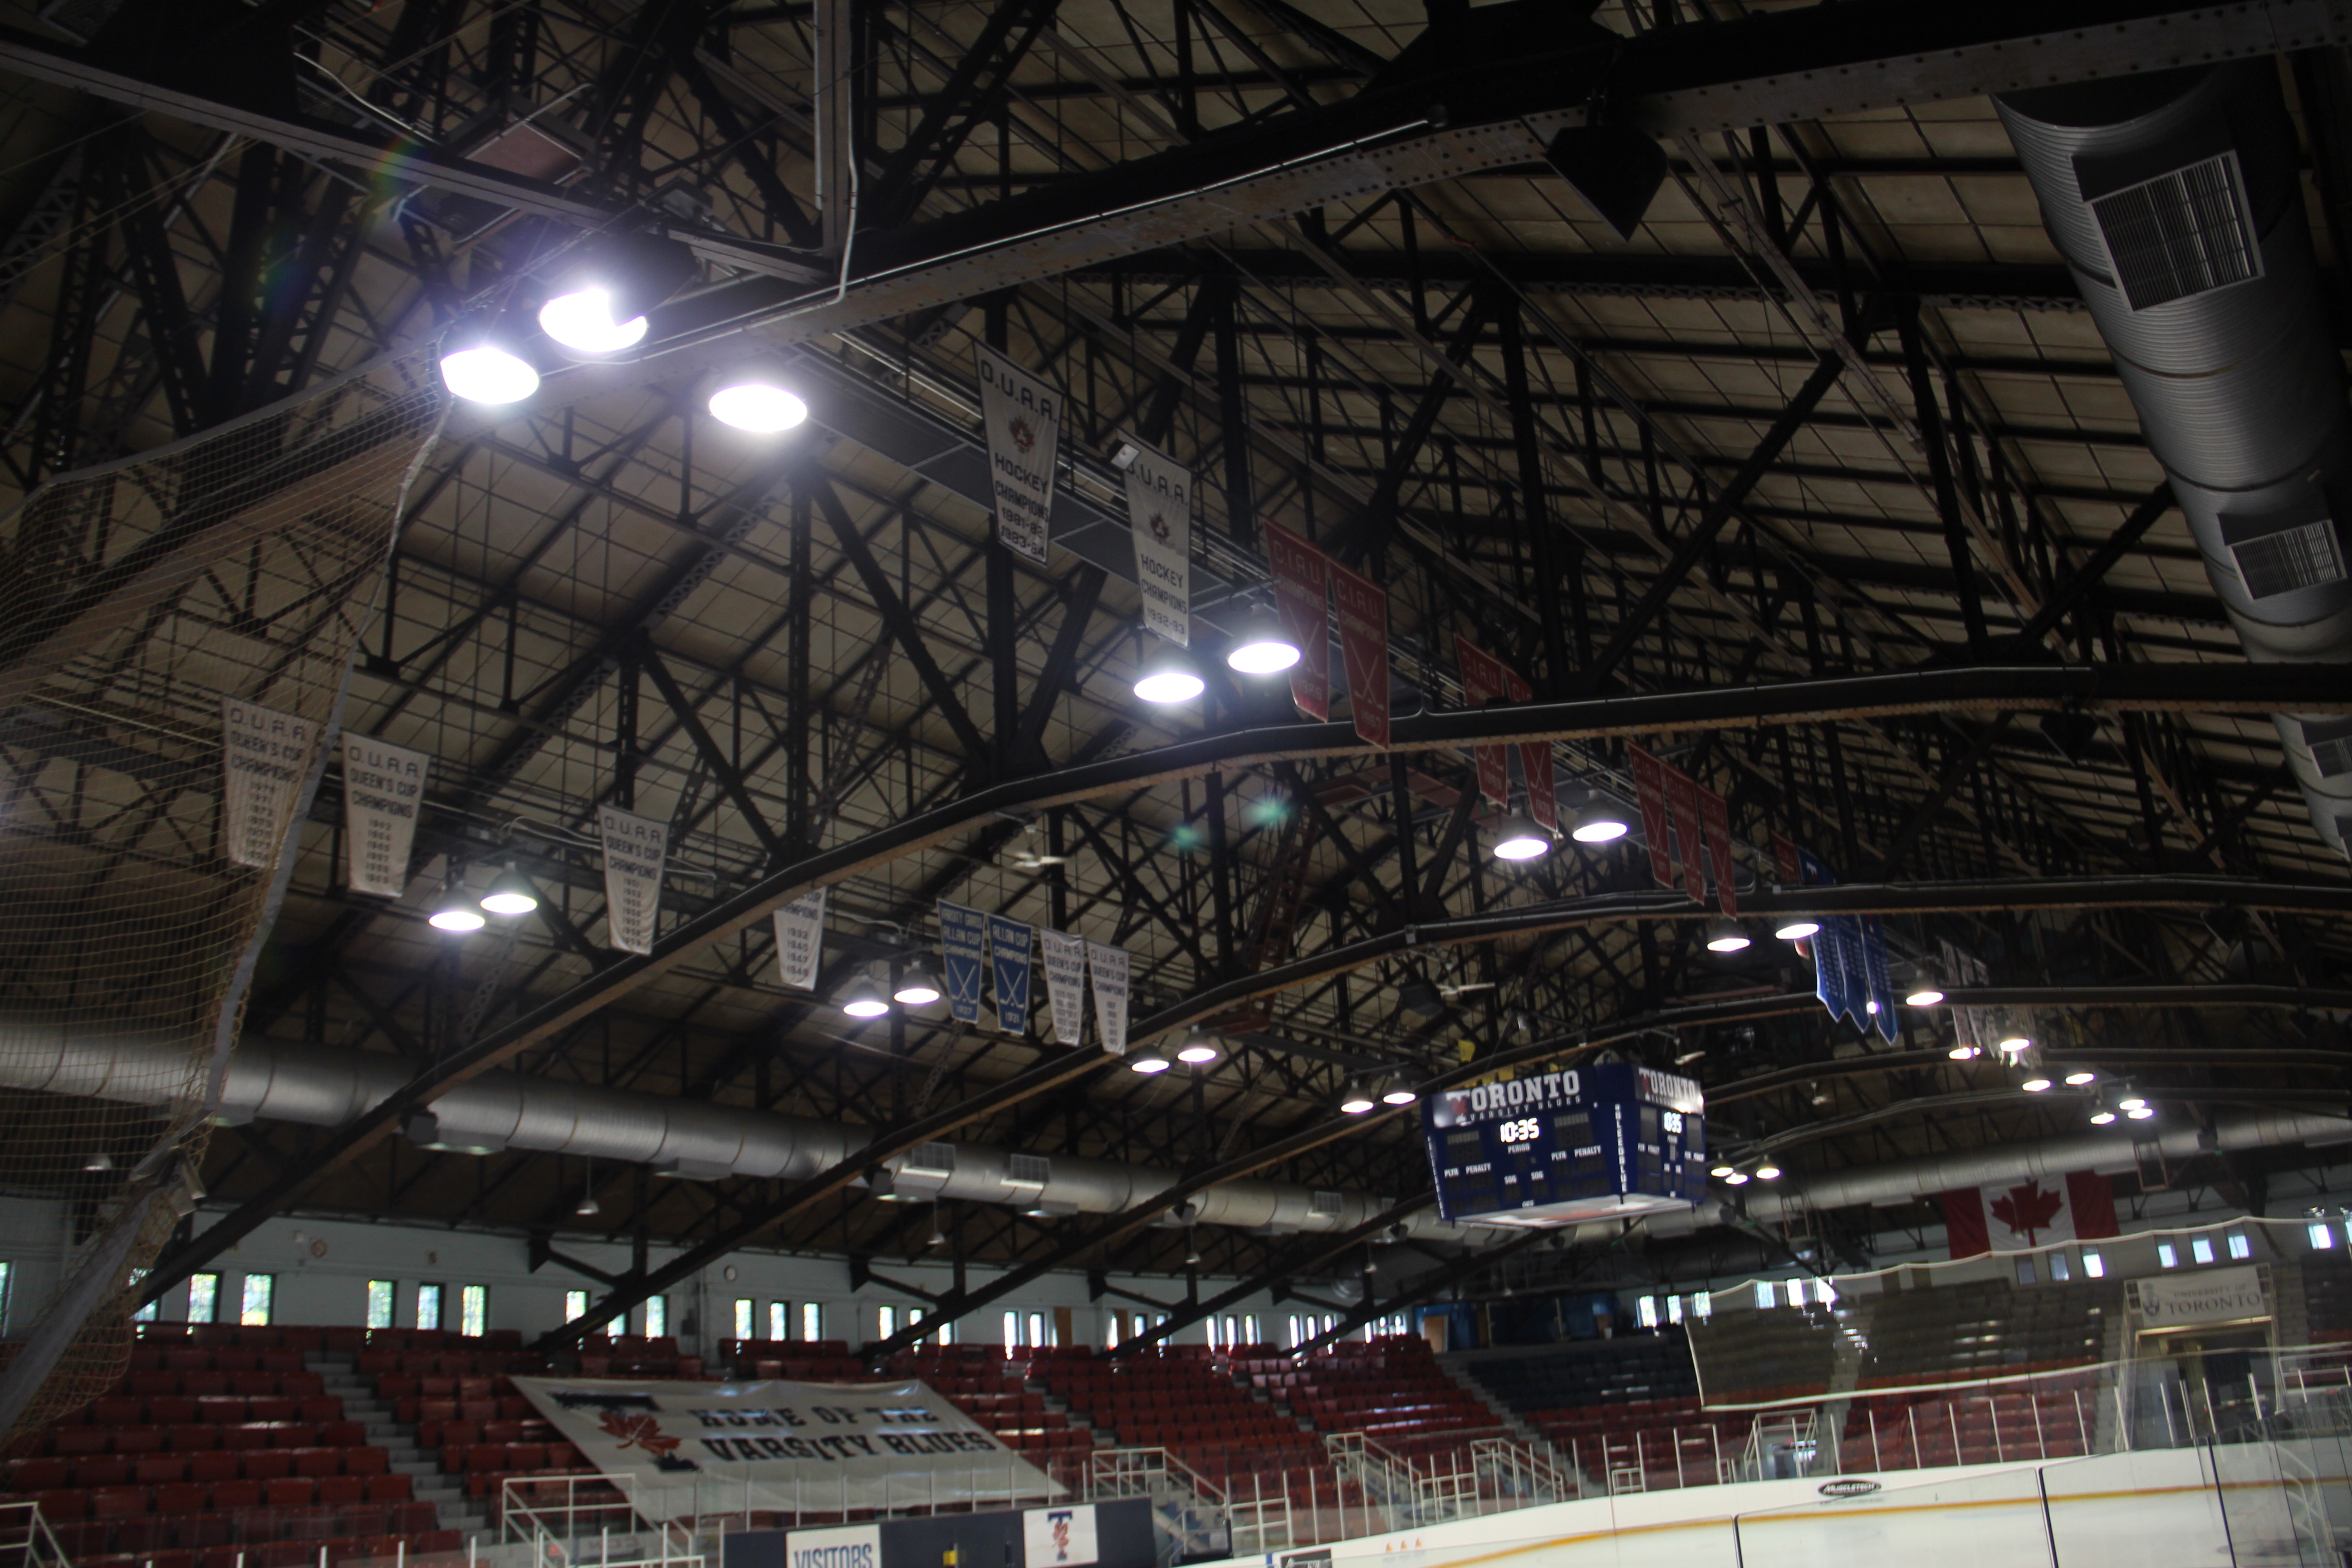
[(638, 1432), (1160, 530), (2027, 1209), (1024, 436)]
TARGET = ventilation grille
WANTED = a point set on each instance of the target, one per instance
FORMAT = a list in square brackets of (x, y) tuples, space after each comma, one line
[(2331, 747), (929, 1160), (2180, 233), (1323, 1206), (1027, 1171), (2293, 558)]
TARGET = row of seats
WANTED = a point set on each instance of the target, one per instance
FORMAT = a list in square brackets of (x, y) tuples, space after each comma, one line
[(1392, 1390), (330, 1433), (309, 1338), (218, 1410), (179, 1498), (297, 1553), (204, 1385), (156, 1469), (1625, 1371)]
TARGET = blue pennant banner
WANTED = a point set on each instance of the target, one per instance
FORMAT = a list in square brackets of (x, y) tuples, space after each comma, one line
[(1882, 979), (963, 934), (1009, 947)]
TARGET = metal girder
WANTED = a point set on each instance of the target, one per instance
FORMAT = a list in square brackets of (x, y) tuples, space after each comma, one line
[(1423, 1288), (1323, 1249), (2250, 689)]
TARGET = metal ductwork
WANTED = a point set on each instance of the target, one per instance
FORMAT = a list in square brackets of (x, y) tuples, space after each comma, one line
[(690, 1139), (2176, 199)]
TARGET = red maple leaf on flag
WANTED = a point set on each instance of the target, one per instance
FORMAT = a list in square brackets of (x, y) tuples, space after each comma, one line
[(638, 1432), (2027, 1209)]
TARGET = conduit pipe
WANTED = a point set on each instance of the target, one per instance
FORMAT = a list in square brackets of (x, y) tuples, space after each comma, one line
[(2175, 198), (693, 1139)]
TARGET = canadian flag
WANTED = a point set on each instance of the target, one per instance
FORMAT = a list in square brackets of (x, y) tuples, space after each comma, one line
[(2013, 1216)]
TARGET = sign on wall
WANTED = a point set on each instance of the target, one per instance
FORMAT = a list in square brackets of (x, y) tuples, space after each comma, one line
[(682, 1448), (1059, 1537), (2214, 1296)]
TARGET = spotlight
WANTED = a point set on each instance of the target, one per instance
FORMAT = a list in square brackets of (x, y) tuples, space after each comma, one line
[(1727, 937), (2142, 1114), (1521, 839), (2034, 1085), (2102, 1117), (1149, 1062), (1736, 1179), (1925, 995), (1399, 1092), (2080, 1076), (2135, 1100), (1767, 1172), (2013, 1043), (511, 894), (1600, 823), (479, 364), (1962, 1053), (753, 396), (1262, 647), (1198, 1049), (864, 1000), (456, 913), (599, 307), (1796, 929), (915, 990), (1723, 1172), (582, 322), (1356, 1101), (1167, 676)]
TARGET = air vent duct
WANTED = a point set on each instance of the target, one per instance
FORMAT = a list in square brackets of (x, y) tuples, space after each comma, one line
[(2176, 199), (1035, 1171)]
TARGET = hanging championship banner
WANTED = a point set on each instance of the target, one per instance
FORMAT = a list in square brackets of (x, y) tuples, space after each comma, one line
[(1715, 820), (1970, 1025), (800, 940), (1535, 760), (1880, 978), (264, 755), (1160, 509), (384, 786), (1650, 794), (1066, 984), (1023, 416), (1008, 950), (1829, 954), (1364, 643), (1483, 680), (1301, 573), (1784, 861), (636, 848), (961, 932), (1109, 967), (780, 1446), (1682, 799)]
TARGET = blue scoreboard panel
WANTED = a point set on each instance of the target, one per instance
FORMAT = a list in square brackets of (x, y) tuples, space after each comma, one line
[(1603, 1142)]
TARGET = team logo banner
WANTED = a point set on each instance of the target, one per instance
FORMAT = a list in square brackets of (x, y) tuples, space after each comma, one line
[(1023, 416), (264, 755), (1009, 950), (677, 1449), (1159, 507), (800, 940), (383, 785), (1109, 965), (1066, 984), (636, 848), (963, 935), (1059, 1536), (1364, 643), (1301, 573)]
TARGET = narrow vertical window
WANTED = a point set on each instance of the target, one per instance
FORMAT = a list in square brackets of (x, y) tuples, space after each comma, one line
[(204, 1298), (379, 1303), (743, 1310), (780, 1320), (428, 1306), (657, 1316), (575, 1305), (812, 1321), (474, 1310), (254, 1313)]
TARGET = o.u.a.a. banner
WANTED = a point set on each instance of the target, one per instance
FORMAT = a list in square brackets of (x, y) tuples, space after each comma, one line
[(677, 1449)]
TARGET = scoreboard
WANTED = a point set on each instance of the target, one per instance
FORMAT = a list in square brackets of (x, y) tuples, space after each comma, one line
[(1603, 1142)]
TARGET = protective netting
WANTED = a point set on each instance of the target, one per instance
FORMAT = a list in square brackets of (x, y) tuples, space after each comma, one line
[(145, 608)]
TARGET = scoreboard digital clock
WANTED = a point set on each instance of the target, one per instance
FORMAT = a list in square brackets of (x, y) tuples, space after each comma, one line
[(1603, 1142)]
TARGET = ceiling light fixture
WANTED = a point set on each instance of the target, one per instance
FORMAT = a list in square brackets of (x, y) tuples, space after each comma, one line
[(2142, 1113), (2080, 1076), (102, 1161), (599, 305), (2102, 1117), (1727, 937), (1262, 647), (1962, 1053), (753, 397), (1521, 839), (511, 893), (1721, 1172), (2133, 1101), (1926, 994), (1167, 676), (1600, 823), (916, 988), (1797, 929), (1200, 1050), (1399, 1092), (1149, 1062), (2034, 1085), (1736, 1179), (582, 322), (479, 363), (1356, 1101), (456, 913), (865, 999), (2014, 1042), (1767, 1172)]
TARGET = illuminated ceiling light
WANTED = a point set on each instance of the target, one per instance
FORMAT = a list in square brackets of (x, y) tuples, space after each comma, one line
[(1727, 937), (1962, 1053), (1356, 1101), (753, 397), (1925, 995), (1736, 1179), (1198, 1049), (2135, 1100), (1723, 1172), (1167, 676), (102, 1161), (2013, 1043), (2142, 1114), (2102, 1117), (915, 990), (1262, 647), (864, 1000), (1797, 929), (600, 302), (581, 323), (588, 1208), (1600, 823), (1149, 1062), (2034, 1085), (511, 894), (1520, 840), (1767, 1172), (2080, 1076), (480, 364), (1399, 1092), (457, 914)]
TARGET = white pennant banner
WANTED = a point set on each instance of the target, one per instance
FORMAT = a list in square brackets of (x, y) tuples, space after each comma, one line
[(264, 755), (1110, 966), (383, 785), (800, 940), (1066, 984), (1023, 416), (1160, 508), (635, 850)]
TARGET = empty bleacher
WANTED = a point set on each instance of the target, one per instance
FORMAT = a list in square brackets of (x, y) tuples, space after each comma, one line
[(1988, 1328), (978, 1381), (1184, 1399), (1620, 1407), (1390, 1389)]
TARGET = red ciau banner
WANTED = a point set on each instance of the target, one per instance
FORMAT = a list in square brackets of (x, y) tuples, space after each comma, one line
[(1714, 816), (1300, 572), (1485, 679), (1681, 798), (1363, 609), (1650, 794)]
